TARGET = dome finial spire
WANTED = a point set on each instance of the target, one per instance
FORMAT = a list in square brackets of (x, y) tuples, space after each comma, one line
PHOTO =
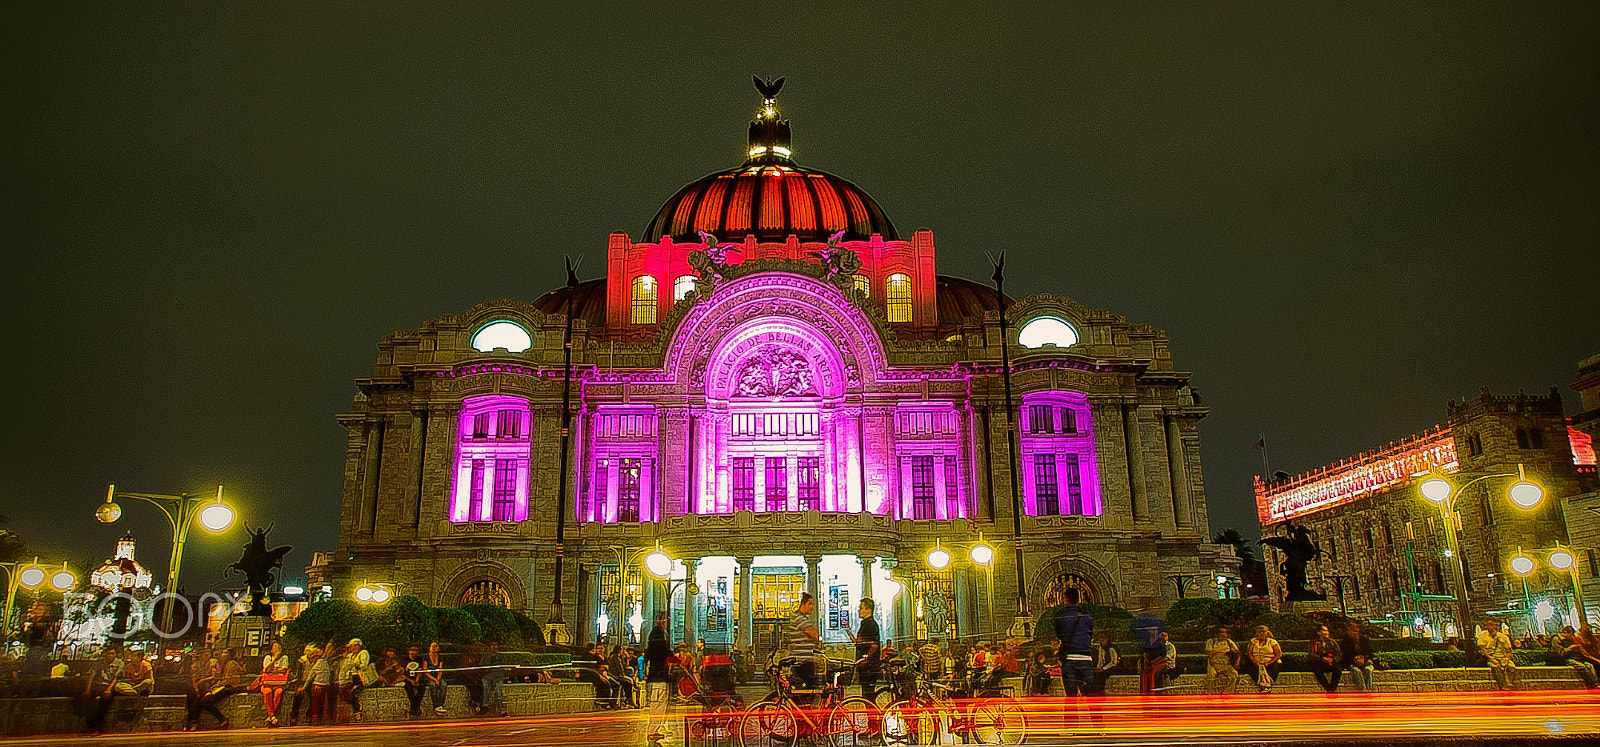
[(769, 137)]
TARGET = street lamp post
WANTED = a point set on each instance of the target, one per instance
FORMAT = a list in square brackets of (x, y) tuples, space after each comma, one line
[(1442, 493), (30, 576), (182, 511), (981, 553)]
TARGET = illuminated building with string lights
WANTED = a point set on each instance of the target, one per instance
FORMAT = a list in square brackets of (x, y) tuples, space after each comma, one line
[(776, 388), (1384, 552)]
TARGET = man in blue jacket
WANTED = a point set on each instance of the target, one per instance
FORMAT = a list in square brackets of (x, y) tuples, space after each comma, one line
[(1075, 628)]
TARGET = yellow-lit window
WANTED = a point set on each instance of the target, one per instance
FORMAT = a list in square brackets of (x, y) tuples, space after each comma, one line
[(899, 295), (682, 287), (863, 285), (644, 300)]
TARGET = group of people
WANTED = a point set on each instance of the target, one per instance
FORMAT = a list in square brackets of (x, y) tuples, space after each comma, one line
[(1261, 659)]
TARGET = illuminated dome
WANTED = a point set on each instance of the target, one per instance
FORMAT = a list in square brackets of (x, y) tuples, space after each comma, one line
[(769, 196)]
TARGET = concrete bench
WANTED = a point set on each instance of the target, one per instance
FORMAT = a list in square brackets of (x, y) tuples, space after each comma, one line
[(1473, 679), (156, 713)]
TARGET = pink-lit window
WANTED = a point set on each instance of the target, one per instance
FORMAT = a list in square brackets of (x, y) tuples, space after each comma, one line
[(922, 488), (952, 490), (491, 474), (599, 491), (1046, 490), (808, 478), (505, 489), (628, 473), (1058, 450), (475, 508), (777, 492), (508, 424), (744, 483)]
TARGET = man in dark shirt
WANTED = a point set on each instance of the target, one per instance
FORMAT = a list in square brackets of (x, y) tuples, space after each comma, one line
[(656, 655), (868, 644), (1075, 629)]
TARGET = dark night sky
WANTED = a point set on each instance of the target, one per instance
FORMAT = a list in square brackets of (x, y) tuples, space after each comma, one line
[(1342, 216)]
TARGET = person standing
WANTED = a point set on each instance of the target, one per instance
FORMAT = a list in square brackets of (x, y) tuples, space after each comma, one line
[(1265, 657), (1495, 646), (657, 653), (352, 668), (800, 639), (869, 648), (274, 677), (323, 691), (1357, 657), (1075, 630), (1222, 661), (930, 659), (1325, 659), (1146, 629)]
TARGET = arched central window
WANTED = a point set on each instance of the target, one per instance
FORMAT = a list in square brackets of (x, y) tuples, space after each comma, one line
[(644, 300), (899, 297)]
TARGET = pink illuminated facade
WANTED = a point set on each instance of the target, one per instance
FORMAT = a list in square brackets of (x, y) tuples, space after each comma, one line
[(792, 400)]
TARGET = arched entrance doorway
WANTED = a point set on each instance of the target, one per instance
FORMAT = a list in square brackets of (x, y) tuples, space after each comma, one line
[(1056, 591)]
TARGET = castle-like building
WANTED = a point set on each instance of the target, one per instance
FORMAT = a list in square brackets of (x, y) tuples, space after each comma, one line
[(776, 388)]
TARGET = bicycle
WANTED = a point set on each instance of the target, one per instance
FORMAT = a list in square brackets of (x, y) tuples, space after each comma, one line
[(991, 717), (782, 721)]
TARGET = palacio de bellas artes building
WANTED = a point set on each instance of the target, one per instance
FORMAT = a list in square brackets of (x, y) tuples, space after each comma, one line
[(775, 388)]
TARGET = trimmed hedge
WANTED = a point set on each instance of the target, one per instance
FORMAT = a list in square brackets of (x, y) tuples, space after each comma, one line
[(406, 620)]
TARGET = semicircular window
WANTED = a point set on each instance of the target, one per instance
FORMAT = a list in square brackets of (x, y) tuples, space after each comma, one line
[(502, 334), (1047, 330)]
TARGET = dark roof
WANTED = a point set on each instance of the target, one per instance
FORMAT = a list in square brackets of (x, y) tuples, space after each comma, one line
[(589, 304), (772, 201), (959, 299)]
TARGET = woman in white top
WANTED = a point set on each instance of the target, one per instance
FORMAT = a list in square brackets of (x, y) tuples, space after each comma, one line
[(274, 677)]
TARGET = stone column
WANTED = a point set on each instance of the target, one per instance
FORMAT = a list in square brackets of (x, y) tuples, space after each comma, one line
[(691, 568), (747, 618), (814, 585), (1181, 502), (866, 562), (1136, 487), (419, 444), (370, 474)]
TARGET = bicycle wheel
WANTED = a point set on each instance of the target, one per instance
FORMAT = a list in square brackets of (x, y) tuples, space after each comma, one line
[(766, 725), (908, 723), (999, 721), (853, 722), (723, 722)]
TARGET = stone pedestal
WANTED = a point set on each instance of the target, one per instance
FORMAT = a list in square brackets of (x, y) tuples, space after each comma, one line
[(1307, 607)]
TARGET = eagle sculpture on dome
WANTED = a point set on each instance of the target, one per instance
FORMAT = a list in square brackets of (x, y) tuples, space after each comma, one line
[(841, 263), (768, 88)]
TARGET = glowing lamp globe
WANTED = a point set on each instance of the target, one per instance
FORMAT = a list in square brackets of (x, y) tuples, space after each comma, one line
[(1436, 489), (363, 594), (63, 580), (31, 577), (1561, 560), (981, 554), (380, 595), (216, 517), (294, 591), (1419, 622), (938, 559), (1522, 565), (1544, 610), (1526, 494), (658, 563), (108, 512)]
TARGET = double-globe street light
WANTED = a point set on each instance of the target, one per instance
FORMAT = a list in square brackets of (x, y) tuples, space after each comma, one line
[(30, 576), (1440, 491), (1559, 558), (182, 511), (981, 553), (368, 593)]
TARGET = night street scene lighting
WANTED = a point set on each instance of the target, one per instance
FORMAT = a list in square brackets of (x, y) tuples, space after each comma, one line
[(1001, 374)]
